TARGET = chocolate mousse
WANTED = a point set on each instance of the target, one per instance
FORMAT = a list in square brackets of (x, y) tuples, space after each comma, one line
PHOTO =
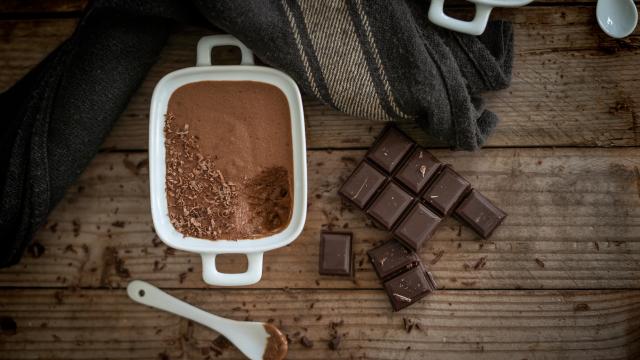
[(229, 160)]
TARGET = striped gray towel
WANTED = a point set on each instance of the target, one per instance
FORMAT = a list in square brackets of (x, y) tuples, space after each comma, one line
[(378, 59)]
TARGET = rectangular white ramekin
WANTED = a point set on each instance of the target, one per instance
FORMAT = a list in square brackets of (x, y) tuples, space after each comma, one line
[(208, 249)]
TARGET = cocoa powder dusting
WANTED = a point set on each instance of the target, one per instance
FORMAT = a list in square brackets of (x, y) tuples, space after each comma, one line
[(277, 345), (229, 160)]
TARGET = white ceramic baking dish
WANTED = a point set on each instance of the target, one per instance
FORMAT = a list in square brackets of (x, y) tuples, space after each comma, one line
[(208, 249)]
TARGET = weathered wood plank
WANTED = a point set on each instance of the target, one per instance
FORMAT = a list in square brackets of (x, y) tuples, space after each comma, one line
[(453, 324), (571, 84), (40, 7), (574, 222)]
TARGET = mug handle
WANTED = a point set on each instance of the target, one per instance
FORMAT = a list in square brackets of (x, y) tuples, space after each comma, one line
[(473, 27), (212, 276), (206, 43)]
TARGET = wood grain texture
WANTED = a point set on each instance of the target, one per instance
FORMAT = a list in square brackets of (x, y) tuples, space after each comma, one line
[(453, 324), (574, 222), (52, 7), (572, 86)]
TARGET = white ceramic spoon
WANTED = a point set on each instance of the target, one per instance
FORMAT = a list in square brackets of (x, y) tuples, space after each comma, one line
[(256, 340), (617, 18)]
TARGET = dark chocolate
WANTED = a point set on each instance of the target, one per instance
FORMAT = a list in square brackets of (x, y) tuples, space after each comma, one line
[(362, 185), (390, 148), (336, 253), (391, 258), (446, 191), (387, 208), (417, 227), (480, 213), (418, 170), (409, 287)]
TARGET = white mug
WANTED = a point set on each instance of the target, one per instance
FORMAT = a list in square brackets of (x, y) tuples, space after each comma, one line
[(479, 22)]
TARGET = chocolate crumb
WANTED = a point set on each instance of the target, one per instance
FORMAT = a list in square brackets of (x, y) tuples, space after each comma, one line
[(437, 257), (581, 307), (118, 224), (76, 227), (59, 297), (539, 262), (334, 342), (182, 277), (306, 342), (69, 248), (163, 356), (8, 326), (156, 241), (480, 263), (219, 345), (36, 250), (158, 266)]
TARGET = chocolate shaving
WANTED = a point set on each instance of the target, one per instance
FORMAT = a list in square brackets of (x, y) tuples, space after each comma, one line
[(306, 342), (36, 250)]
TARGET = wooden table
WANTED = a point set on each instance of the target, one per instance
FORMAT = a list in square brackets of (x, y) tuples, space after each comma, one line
[(562, 274)]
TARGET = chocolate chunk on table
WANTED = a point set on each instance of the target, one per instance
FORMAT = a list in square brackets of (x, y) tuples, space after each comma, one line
[(387, 208), (392, 258), (480, 213), (336, 253), (390, 148), (409, 287), (446, 191), (362, 185), (418, 170), (417, 227)]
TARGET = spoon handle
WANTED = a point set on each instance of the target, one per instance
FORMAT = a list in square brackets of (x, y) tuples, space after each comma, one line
[(149, 295)]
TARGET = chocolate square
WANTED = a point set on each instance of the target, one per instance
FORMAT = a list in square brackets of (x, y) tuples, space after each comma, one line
[(390, 148), (418, 170), (387, 208), (336, 253), (391, 258), (362, 185), (417, 227), (409, 287), (480, 213), (446, 191)]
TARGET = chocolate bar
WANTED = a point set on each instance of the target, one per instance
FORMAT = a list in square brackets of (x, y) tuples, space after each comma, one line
[(392, 258), (336, 253), (447, 191), (362, 185), (480, 213), (417, 227), (396, 176), (409, 287), (418, 170), (387, 208), (390, 148)]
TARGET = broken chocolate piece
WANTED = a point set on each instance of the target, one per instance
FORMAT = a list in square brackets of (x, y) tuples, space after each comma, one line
[(446, 191), (409, 287), (417, 227), (480, 213), (362, 185), (418, 170), (390, 148), (387, 208), (392, 258), (335, 253)]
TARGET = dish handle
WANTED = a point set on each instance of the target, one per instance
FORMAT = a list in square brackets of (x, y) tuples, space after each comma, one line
[(206, 43), (473, 27), (212, 276)]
